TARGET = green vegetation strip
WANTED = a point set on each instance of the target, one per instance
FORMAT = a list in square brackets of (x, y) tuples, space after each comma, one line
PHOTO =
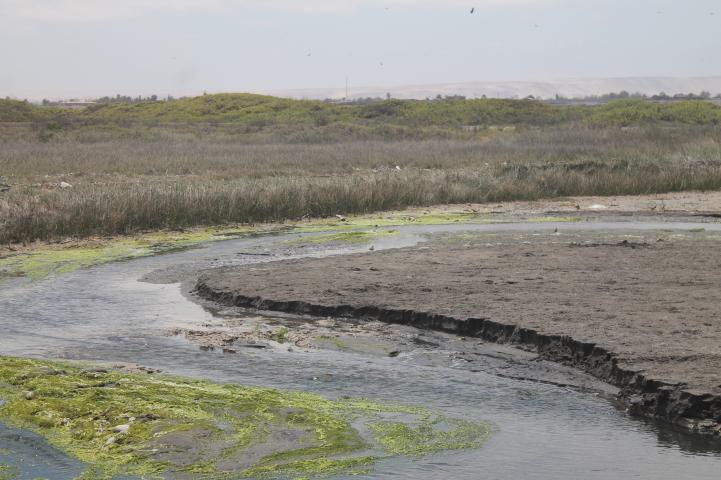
[(262, 111), (151, 425), (55, 259)]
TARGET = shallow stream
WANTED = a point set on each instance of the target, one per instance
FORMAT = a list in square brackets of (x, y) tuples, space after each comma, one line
[(550, 422)]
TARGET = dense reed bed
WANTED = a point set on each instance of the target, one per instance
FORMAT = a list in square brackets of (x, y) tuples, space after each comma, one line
[(170, 179)]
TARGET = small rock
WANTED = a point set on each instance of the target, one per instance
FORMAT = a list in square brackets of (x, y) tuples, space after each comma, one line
[(110, 441), (229, 350), (394, 354), (65, 185), (29, 395), (707, 424), (122, 429)]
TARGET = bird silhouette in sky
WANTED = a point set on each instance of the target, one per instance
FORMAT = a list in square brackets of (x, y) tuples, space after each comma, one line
[(473, 10)]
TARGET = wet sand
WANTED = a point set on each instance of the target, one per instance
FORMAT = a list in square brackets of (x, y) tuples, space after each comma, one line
[(641, 310)]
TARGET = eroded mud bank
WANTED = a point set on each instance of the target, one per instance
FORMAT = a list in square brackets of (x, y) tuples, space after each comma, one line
[(640, 312)]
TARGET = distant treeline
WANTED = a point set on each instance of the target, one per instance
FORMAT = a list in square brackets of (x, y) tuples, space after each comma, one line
[(260, 111), (608, 97), (624, 95)]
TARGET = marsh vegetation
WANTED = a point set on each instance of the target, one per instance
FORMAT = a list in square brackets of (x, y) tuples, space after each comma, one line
[(224, 159)]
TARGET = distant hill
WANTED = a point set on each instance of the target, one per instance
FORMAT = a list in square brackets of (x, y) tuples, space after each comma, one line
[(570, 88)]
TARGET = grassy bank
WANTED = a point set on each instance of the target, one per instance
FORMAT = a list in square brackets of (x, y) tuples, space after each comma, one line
[(150, 425), (122, 186), (227, 159)]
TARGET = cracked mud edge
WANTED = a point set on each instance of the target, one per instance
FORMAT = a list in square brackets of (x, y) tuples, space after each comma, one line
[(648, 397)]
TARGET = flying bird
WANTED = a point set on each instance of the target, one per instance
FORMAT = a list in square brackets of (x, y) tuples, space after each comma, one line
[(473, 10)]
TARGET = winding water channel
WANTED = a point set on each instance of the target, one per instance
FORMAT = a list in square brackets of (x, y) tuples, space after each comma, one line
[(550, 422)]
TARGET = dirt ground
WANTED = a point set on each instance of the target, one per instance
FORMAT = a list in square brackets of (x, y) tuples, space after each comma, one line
[(653, 298), (669, 203)]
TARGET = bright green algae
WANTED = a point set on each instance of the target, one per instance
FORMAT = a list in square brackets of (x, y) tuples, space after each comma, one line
[(58, 259), (7, 472), (199, 429)]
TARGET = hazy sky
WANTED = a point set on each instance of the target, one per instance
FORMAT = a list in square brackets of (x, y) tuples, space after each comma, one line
[(92, 47)]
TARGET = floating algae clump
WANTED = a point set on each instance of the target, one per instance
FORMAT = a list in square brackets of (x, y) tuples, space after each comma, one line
[(7, 472), (156, 426)]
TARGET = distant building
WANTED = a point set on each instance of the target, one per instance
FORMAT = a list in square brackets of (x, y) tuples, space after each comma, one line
[(75, 103), (71, 103)]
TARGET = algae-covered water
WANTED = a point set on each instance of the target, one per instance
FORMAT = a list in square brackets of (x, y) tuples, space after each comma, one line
[(548, 422)]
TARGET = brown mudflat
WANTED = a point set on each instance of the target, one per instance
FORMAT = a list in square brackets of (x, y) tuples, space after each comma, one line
[(652, 300)]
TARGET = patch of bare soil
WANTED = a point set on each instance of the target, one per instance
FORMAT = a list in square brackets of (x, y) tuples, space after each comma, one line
[(642, 311), (692, 203)]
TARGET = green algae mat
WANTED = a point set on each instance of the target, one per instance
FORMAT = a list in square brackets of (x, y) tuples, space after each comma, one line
[(156, 426)]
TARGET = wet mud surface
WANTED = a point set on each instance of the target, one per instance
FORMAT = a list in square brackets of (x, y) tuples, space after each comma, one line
[(239, 330), (651, 300)]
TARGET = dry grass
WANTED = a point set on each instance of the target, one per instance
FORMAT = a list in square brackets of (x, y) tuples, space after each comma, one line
[(123, 183)]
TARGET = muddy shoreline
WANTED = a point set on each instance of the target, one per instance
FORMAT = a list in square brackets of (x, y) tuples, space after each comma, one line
[(655, 381)]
